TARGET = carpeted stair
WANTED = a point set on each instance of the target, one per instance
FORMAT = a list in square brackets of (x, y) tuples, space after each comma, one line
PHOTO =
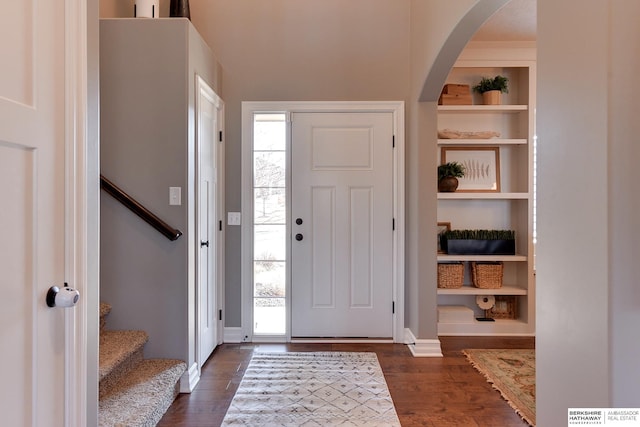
[(134, 392)]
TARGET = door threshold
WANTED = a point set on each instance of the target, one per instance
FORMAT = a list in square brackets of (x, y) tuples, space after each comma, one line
[(328, 340)]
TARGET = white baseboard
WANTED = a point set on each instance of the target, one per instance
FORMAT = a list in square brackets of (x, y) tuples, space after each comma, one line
[(422, 347), (189, 379), (233, 335)]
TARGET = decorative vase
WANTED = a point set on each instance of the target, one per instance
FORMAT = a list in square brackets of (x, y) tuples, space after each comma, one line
[(179, 9), (492, 97), (146, 9), (448, 184)]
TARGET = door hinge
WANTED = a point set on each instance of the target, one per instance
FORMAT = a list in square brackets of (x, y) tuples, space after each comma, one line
[(393, 141), (393, 307), (219, 225), (220, 136), (393, 224), (219, 314)]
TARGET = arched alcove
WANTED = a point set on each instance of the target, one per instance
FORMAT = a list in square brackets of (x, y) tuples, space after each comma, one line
[(457, 40)]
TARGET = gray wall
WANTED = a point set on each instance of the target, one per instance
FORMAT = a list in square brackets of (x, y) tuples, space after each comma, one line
[(572, 259), (588, 304), (624, 213), (147, 146), (284, 50)]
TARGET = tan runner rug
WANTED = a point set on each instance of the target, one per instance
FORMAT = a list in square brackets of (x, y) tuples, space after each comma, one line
[(513, 374), (312, 389)]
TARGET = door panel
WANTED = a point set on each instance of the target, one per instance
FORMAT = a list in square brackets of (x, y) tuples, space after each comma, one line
[(32, 190), (208, 126), (323, 275), (342, 189), (361, 249)]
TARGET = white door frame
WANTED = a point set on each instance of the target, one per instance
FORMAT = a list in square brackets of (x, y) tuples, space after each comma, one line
[(82, 206), (248, 110), (203, 89)]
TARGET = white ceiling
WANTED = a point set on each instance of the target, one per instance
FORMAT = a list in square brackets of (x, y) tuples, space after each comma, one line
[(515, 21)]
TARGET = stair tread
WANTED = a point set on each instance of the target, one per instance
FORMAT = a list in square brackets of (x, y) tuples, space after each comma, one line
[(143, 396), (116, 347)]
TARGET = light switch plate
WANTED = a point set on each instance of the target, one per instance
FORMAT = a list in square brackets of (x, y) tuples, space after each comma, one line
[(175, 196), (234, 218)]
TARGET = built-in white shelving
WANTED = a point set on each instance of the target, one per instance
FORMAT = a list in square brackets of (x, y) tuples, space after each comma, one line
[(512, 207), (492, 141), (482, 108)]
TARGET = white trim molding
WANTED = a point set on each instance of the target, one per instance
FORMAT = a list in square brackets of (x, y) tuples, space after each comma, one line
[(422, 347), (190, 379), (233, 335), (81, 220)]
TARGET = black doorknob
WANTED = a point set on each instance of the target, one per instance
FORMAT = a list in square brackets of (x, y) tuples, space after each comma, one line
[(299, 221), (203, 243), (299, 237)]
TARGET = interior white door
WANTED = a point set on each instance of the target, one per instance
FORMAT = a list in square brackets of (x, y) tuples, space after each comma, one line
[(207, 114), (342, 225), (32, 190)]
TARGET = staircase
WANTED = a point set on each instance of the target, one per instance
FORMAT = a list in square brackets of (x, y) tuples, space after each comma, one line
[(134, 392)]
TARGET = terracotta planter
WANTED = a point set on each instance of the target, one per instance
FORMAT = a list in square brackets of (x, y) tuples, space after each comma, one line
[(492, 97), (448, 184)]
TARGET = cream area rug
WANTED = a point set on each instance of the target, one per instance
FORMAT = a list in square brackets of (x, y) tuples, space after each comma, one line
[(513, 374), (312, 389)]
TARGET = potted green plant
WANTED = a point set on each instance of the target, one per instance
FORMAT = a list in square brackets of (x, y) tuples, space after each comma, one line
[(479, 242), (492, 88), (448, 174)]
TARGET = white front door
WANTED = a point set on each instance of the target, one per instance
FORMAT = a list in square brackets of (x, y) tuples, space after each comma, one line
[(208, 107), (342, 225), (32, 213)]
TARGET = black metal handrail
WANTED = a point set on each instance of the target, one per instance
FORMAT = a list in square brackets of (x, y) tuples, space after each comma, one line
[(135, 207)]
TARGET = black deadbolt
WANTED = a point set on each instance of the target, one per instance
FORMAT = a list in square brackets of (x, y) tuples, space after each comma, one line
[(299, 237)]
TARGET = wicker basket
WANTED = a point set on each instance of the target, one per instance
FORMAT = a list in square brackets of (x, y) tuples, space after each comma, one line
[(487, 275), (450, 275)]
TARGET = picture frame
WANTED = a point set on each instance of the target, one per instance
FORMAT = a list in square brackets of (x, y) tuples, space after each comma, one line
[(443, 227), (482, 167)]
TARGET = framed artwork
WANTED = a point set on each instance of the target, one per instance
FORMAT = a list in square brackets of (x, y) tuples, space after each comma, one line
[(442, 228), (481, 164)]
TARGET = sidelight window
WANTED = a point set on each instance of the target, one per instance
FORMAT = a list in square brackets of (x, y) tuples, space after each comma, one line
[(269, 224)]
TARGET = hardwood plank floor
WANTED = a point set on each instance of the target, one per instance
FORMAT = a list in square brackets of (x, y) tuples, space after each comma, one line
[(434, 392)]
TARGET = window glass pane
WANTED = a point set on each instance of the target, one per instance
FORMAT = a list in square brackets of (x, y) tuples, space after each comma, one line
[(270, 242), (269, 277), (269, 316), (270, 223), (270, 206), (269, 169), (269, 132)]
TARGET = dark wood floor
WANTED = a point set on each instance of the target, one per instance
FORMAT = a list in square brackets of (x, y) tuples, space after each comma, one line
[(435, 392)]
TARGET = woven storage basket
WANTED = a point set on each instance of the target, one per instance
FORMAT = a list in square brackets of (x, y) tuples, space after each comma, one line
[(450, 275), (487, 275)]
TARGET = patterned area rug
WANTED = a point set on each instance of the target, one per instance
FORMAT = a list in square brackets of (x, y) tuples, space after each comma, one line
[(513, 373), (312, 389)]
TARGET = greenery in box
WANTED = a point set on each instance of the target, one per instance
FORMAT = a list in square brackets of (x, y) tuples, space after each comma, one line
[(480, 234), (479, 242), (497, 83)]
